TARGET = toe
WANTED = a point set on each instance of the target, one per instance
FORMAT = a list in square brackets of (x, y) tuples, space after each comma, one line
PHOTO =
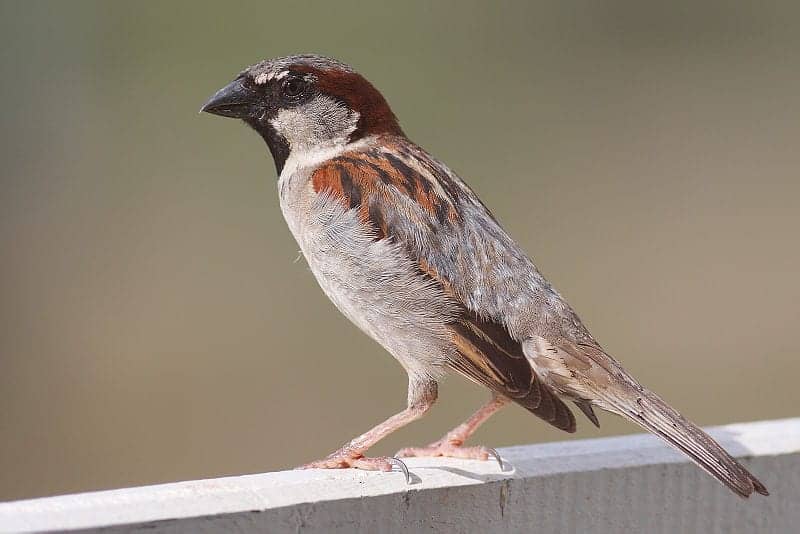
[(469, 453), (450, 451), (372, 464), (420, 451)]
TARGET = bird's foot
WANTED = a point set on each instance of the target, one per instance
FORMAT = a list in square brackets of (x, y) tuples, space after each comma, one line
[(452, 449), (343, 459)]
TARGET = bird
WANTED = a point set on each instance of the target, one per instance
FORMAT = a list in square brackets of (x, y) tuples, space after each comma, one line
[(406, 250)]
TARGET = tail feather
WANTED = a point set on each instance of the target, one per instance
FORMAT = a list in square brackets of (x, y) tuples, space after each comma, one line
[(587, 410), (650, 412)]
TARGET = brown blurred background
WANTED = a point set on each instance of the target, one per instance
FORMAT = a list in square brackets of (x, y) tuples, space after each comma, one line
[(156, 326)]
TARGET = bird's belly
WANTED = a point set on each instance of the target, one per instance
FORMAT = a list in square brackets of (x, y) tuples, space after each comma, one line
[(372, 282)]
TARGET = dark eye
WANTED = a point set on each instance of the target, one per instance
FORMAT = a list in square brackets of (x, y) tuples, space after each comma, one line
[(293, 87)]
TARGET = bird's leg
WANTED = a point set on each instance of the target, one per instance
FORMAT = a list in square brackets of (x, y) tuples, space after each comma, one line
[(422, 394), (451, 444)]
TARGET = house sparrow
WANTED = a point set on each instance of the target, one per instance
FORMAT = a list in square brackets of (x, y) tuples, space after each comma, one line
[(407, 251)]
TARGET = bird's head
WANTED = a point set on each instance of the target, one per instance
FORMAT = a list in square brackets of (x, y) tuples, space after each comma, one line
[(305, 103)]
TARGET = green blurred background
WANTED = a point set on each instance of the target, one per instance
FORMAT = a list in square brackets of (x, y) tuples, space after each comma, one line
[(155, 324)]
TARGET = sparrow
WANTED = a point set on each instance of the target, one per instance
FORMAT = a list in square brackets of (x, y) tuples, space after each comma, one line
[(407, 251)]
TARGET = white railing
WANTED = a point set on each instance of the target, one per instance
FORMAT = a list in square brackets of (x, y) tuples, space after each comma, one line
[(621, 484)]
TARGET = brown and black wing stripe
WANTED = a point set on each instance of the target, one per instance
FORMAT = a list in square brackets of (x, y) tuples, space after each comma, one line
[(348, 179), (358, 175)]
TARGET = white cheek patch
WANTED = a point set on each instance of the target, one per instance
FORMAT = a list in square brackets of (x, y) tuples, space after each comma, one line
[(321, 122)]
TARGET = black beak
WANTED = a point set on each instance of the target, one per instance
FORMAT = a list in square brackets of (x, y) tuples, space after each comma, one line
[(234, 100)]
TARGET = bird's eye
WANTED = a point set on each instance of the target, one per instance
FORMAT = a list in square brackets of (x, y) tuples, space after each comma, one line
[(293, 87)]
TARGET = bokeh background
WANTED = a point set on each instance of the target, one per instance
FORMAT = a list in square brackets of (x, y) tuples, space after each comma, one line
[(157, 325)]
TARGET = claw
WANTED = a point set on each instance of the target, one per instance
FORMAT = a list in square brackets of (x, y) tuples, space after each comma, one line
[(402, 466), (496, 455)]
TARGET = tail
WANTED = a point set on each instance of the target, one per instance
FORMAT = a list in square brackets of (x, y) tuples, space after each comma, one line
[(651, 413)]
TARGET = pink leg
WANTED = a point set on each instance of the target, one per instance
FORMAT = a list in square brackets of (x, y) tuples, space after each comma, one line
[(451, 444), (421, 396)]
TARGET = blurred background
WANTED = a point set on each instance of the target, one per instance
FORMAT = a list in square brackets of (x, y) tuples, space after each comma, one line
[(157, 325)]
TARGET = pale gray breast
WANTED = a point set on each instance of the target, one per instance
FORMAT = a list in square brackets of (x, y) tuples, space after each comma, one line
[(372, 282)]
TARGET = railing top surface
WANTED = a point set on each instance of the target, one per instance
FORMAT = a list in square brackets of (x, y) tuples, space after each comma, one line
[(260, 492)]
